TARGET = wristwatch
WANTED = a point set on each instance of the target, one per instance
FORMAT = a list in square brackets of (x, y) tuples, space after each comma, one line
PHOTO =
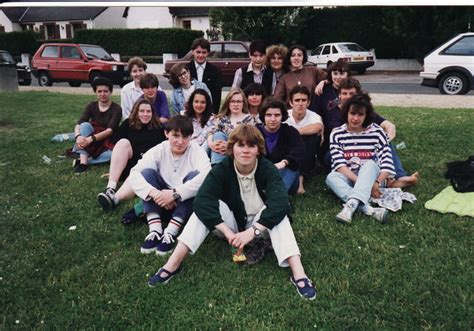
[(256, 231), (176, 195)]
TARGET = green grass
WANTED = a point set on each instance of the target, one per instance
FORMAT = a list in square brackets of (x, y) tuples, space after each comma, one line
[(95, 277)]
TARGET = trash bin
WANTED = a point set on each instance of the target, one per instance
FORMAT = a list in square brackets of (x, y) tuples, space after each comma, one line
[(8, 77)]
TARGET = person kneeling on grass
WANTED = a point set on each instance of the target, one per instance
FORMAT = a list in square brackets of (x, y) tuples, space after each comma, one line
[(242, 198), (361, 160), (96, 125), (167, 178)]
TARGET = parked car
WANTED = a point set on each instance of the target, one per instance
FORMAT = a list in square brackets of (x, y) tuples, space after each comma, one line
[(355, 55), (22, 70), (76, 64), (450, 67), (226, 55)]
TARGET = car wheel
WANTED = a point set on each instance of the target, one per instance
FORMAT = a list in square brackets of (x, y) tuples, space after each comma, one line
[(453, 83), (361, 71), (44, 79), (93, 76), (74, 84)]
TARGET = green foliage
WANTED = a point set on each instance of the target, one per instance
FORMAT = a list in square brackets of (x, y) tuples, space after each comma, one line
[(414, 273), (19, 42), (394, 32), (139, 42)]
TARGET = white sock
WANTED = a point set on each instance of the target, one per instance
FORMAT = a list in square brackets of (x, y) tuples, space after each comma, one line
[(112, 184), (174, 227), (352, 204), (367, 209), (154, 222)]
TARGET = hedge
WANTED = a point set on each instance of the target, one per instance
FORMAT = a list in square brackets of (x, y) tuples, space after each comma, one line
[(19, 42), (140, 42)]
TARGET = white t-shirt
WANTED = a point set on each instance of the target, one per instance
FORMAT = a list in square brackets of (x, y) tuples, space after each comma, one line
[(309, 118)]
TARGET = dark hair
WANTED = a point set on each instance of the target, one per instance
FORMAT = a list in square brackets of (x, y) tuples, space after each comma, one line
[(175, 71), (349, 83), (189, 112), (359, 102), (257, 46), (149, 80), (102, 81), (246, 134), (204, 43), (341, 66), (134, 121), (299, 89), (180, 123), (292, 48), (272, 102), (136, 61), (255, 88)]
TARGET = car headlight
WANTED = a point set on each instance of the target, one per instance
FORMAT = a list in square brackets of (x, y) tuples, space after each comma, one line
[(114, 68)]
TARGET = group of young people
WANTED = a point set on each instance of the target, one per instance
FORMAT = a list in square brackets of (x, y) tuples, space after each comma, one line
[(230, 169)]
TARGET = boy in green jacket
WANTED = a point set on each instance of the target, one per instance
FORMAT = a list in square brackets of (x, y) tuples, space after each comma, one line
[(242, 198)]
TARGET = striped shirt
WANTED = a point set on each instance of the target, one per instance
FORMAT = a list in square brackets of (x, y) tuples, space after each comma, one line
[(354, 149)]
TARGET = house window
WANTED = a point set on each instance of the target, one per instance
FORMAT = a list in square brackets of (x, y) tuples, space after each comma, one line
[(187, 24), (27, 27), (2, 28), (72, 28), (52, 31)]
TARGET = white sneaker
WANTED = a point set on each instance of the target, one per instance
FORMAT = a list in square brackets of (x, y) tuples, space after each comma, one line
[(380, 214), (345, 215)]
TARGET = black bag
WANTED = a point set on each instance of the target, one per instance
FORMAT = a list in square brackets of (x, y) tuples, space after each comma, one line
[(461, 175)]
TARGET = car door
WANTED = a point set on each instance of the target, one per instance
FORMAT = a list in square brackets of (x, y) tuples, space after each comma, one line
[(72, 65), (235, 56), (315, 54), (48, 60), (325, 56)]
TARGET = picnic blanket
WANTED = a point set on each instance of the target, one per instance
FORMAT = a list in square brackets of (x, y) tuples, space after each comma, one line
[(450, 201)]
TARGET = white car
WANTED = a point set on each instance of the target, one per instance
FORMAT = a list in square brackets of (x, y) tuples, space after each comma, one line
[(450, 67), (355, 55)]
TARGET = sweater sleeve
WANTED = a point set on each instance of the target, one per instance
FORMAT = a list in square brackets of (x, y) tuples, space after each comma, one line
[(163, 108), (384, 153), (115, 118), (150, 160), (336, 151), (87, 114)]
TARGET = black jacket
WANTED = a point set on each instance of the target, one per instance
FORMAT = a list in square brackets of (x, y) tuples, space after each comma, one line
[(247, 79), (212, 76)]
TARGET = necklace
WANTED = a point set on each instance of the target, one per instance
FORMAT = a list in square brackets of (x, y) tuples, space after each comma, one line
[(297, 77)]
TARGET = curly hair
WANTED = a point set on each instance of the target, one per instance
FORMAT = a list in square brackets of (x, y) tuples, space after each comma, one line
[(361, 104), (190, 110)]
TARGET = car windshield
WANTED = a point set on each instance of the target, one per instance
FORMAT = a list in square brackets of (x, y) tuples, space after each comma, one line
[(96, 52), (6, 58), (352, 48)]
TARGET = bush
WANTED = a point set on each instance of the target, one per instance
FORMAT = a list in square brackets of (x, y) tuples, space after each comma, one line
[(139, 42), (19, 42)]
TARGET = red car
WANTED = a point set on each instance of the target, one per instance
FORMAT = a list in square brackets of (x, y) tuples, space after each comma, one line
[(226, 55), (76, 64)]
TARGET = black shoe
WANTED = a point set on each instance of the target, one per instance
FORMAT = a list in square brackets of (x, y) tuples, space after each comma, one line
[(129, 217), (106, 199), (80, 168)]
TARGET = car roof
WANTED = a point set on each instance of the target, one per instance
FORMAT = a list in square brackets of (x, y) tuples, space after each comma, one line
[(69, 44)]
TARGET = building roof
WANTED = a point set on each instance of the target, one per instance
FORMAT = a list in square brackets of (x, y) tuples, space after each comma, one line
[(189, 11), (48, 14)]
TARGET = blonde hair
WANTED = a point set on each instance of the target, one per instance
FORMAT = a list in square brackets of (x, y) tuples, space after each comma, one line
[(276, 49), (225, 111)]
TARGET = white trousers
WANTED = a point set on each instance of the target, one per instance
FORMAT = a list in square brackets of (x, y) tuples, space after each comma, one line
[(281, 235)]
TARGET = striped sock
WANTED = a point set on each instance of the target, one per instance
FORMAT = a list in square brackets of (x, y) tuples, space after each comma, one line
[(174, 227), (154, 222)]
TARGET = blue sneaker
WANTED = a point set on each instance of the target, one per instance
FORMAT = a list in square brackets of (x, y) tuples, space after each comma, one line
[(166, 244), (151, 242), (307, 291), (158, 279)]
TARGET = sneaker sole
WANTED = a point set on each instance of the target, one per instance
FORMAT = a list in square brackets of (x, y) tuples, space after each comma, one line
[(161, 253), (343, 220), (166, 281), (147, 250), (105, 201), (384, 218)]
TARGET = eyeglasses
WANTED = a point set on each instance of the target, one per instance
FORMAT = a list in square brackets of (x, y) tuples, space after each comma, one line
[(181, 75), (236, 101)]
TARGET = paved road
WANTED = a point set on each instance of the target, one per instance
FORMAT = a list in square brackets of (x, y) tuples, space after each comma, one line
[(372, 82)]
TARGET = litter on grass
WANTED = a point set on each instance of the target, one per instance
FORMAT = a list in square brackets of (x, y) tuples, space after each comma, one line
[(72, 227), (402, 246), (46, 159)]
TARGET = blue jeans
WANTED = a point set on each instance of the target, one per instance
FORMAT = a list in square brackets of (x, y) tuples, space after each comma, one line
[(290, 179), (183, 209), (399, 171), (217, 157), (361, 189), (86, 129)]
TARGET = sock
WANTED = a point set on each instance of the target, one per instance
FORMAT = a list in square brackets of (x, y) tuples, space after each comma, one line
[(112, 184), (174, 227), (352, 204), (367, 209), (154, 222)]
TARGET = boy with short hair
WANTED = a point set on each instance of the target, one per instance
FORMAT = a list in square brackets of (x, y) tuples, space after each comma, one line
[(256, 71), (167, 178), (149, 84), (132, 91), (310, 127)]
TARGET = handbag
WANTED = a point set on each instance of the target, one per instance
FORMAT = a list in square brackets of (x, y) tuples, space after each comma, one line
[(461, 175)]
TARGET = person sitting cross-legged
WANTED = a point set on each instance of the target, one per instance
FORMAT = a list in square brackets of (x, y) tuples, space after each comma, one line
[(167, 179), (242, 198)]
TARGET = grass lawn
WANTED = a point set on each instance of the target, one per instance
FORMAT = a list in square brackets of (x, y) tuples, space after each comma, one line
[(416, 272)]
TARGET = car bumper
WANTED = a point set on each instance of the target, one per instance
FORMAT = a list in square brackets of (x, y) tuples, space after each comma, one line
[(429, 82), (24, 76), (117, 77), (361, 64)]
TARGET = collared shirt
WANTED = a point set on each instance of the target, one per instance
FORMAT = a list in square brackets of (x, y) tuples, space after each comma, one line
[(200, 67), (128, 96), (248, 191), (257, 76)]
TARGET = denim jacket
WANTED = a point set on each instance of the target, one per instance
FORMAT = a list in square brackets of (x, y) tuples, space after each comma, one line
[(178, 100)]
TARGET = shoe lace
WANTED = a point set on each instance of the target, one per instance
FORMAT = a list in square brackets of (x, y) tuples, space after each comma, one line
[(110, 192), (152, 235), (167, 238)]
